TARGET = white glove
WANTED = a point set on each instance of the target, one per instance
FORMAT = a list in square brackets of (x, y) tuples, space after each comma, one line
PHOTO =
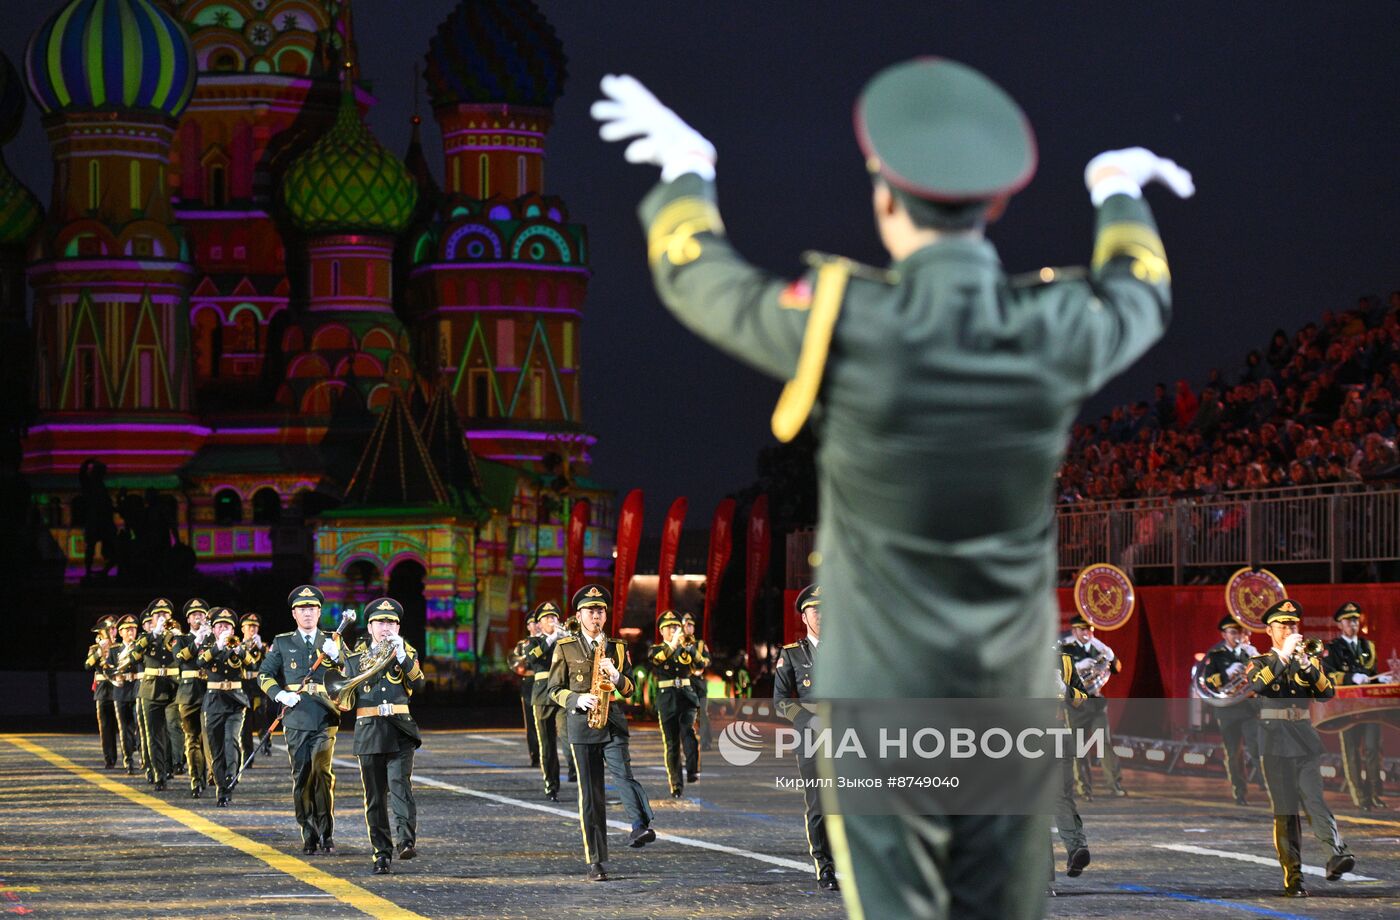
[(587, 702), (221, 641), (1125, 172), (1360, 678), (331, 649), (662, 139), (386, 709), (400, 652), (610, 669), (287, 698), (1234, 670)]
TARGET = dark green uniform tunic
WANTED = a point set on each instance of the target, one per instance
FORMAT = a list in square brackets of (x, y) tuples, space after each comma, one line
[(550, 725), (792, 683), (944, 393), (160, 676), (124, 672), (675, 708), (1361, 744), (310, 728), (99, 663), (255, 717), (384, 745)]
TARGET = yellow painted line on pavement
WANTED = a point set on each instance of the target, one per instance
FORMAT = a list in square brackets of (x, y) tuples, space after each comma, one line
[(1345, 819), (346, 892)]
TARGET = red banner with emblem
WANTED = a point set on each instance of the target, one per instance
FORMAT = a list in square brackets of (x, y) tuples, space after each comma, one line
[(758, 540), (573, 552), (670, 546), (629, 537), (721, 547)]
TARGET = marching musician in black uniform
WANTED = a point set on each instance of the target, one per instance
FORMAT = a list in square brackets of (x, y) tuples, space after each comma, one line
[(522, 669), (311, 720), (99, 659), (792, 682), (386, 736), (1088, 654), (570, 685), (190, 693), (1287, 679), (1352, 659), (223, 658), (550, 726), (1239, 721), (125, 673), (256, 717), (672, 660), (1067, 820), (699, 733), (159, 677)]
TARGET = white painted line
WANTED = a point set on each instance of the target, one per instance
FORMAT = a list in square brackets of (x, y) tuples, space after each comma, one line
[(1258, 860), (573, 816), (508, 742)]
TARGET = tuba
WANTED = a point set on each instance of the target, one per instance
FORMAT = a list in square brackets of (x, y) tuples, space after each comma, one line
[(373, 664), (601, 687)]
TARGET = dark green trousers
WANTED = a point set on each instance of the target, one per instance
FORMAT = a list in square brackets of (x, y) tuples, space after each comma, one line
[(128, 730), (156, 750), (1091, 716), (1067, 821), (675, 709), (107, 731), (313, 781), (222, 732), (1238, 735), (196, 745), (388, 782), (1361, 762), (174, 726), (1295, 785)]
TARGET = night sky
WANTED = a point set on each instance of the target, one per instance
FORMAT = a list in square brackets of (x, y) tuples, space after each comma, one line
[(1288, 113)]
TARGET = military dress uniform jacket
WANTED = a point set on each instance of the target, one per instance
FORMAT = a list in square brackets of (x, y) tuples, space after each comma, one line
[(672, 667), (160, 674), (223, 668), (99, 663), (1288, 688), (1216, 672), (376, 734), (124, 671), (571, 674), (943, 395), (793, 682), (252, 660), (538, 658), (192, 677), (1343, 661), (286, 666)]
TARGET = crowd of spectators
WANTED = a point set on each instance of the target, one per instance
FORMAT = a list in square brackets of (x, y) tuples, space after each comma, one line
[(1320, 407)]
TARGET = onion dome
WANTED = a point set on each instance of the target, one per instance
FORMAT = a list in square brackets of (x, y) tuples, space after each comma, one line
[(111, 54), (20, 211), (494, 51), (346, 182), (11, 100)]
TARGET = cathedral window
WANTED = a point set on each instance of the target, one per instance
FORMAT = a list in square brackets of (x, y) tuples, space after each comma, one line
[(228, 507)]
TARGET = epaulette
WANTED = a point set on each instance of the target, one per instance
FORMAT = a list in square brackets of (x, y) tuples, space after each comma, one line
[(816, 259), (792, 645), (1048, 275), (565, 639), (285, 634)]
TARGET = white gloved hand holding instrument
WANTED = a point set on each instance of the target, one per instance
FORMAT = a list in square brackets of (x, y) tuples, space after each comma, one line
[(661, 137)]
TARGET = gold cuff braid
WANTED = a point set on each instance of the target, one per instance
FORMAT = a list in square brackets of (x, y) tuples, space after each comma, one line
[(672, 233), (1138, 242)]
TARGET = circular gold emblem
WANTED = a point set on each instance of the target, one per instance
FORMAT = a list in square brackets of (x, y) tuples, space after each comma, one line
[(1104, 594), (1250, 592)]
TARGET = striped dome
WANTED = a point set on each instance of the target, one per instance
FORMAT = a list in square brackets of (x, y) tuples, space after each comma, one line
[(496, 51), (11, 100), (111, 54), (347, 182)]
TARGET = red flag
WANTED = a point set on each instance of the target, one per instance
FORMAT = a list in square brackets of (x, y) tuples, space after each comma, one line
[(573, 554), (670, 544), (758, 541), (721, 546), (629, 536)]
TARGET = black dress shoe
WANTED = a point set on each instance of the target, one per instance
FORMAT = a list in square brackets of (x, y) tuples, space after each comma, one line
[(1296, 890), (552, 796), (827, 881), (196, 792), (310, 846), (573, 778), (328, 847), (1339, 865), (160, 785), (1241, 800), (1077, 861), (381, 865), (407, 851), (692, 777), (223, 801), (109, 765), (677, 793), (596, 873), (130, 770), (641, 837)]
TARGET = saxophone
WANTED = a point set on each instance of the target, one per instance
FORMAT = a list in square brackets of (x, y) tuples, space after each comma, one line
[(601, 687)]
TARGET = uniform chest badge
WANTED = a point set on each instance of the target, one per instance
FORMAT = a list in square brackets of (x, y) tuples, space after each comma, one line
[(807, 682), (292, 665)]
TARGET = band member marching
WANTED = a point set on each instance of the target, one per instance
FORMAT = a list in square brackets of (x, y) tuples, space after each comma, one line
[(702, 692), (550, 726), (291, 675), (587, 669), (1095, 662), (190, 694), (1286, 680), (1352, 659), (385, 734), (792, 682), (1237, 715), (225, 702), (159, 678), (99, 659), (256, 717), (1067, 820), (124, 673), (522, 669), (671, 661)]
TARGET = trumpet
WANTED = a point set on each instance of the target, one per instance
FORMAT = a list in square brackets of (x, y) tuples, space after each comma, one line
[(1308, 648)]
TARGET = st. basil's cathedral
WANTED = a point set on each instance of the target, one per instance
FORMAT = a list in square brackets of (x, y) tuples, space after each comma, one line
[(246, 319)]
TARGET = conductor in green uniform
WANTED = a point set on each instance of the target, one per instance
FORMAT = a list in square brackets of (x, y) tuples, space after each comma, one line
[(942, 393)]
